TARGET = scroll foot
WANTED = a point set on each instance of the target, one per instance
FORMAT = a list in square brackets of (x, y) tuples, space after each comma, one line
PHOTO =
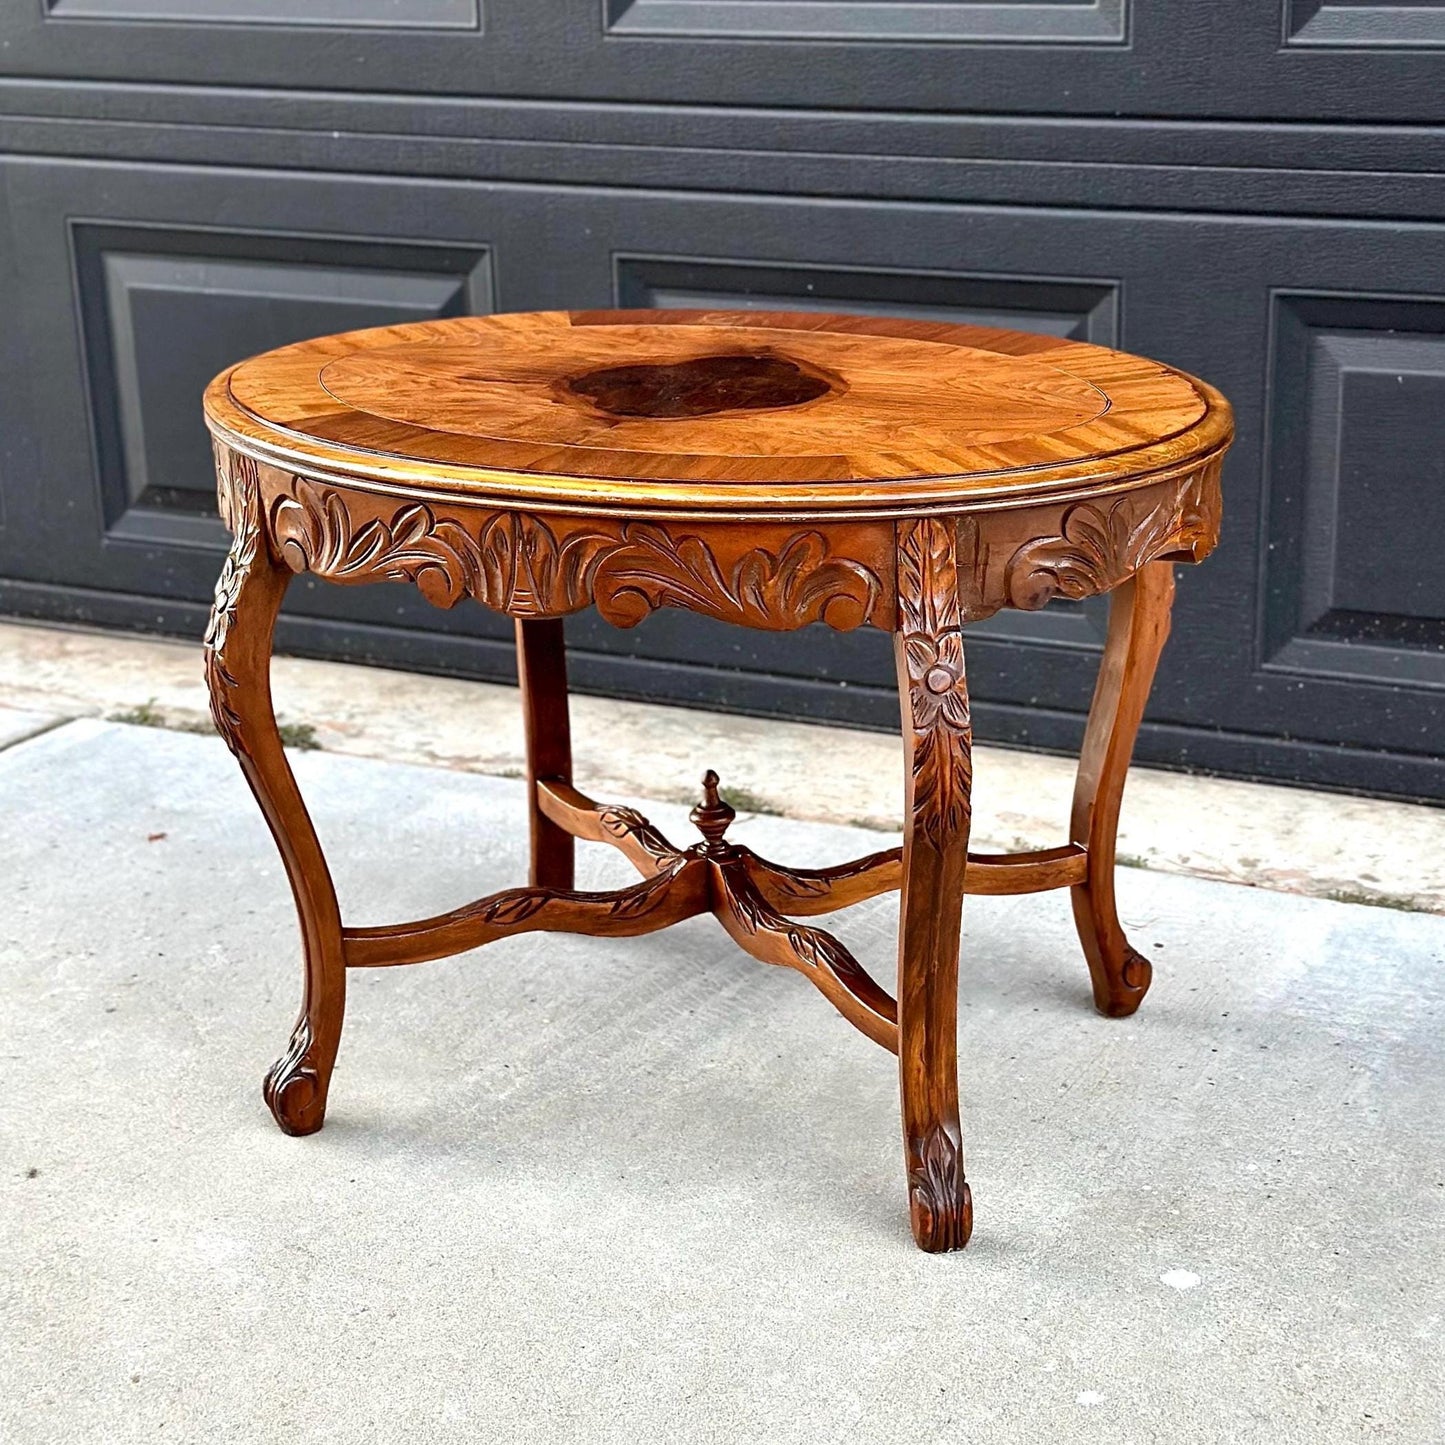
[(1121, 974), (295, 1086)]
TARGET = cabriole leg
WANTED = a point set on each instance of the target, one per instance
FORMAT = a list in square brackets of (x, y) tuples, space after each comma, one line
[(937, 742), (542, 676), (238, 667), (1138, 628)]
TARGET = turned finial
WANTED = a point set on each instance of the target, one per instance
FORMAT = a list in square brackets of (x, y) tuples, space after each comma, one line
[(712, 816)]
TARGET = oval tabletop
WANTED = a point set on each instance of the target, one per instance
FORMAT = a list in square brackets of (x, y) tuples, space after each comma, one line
[(737, 412)]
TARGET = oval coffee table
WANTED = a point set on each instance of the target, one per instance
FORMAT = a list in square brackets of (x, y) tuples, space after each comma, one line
[(770, 470)]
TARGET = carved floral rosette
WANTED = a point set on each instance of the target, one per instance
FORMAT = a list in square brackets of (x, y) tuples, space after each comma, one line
[(930, 622)]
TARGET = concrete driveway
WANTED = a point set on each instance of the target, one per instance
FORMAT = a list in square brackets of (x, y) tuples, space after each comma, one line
[(649, 1191)]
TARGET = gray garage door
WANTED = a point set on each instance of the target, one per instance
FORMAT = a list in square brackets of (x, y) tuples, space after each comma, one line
[(1250, 189)]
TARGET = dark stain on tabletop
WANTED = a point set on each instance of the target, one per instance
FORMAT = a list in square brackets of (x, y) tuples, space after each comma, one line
[(703, 386)]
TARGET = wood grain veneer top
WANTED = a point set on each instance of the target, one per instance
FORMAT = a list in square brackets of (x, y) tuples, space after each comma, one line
[(749, 413)]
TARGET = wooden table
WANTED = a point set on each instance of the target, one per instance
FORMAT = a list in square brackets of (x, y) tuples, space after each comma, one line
[(770, 470)]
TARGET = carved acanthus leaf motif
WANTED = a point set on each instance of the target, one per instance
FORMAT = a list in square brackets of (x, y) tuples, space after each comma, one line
[(1098, 547), (237, 482), (622, 822), (515, 907), (938, 1194), (643, 897), (821, 951), (526, 570), (791, 884), (239, 494), (802, 884), (516, 563), (813, 949), (752, 911), (790, 588), (930, 625)]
